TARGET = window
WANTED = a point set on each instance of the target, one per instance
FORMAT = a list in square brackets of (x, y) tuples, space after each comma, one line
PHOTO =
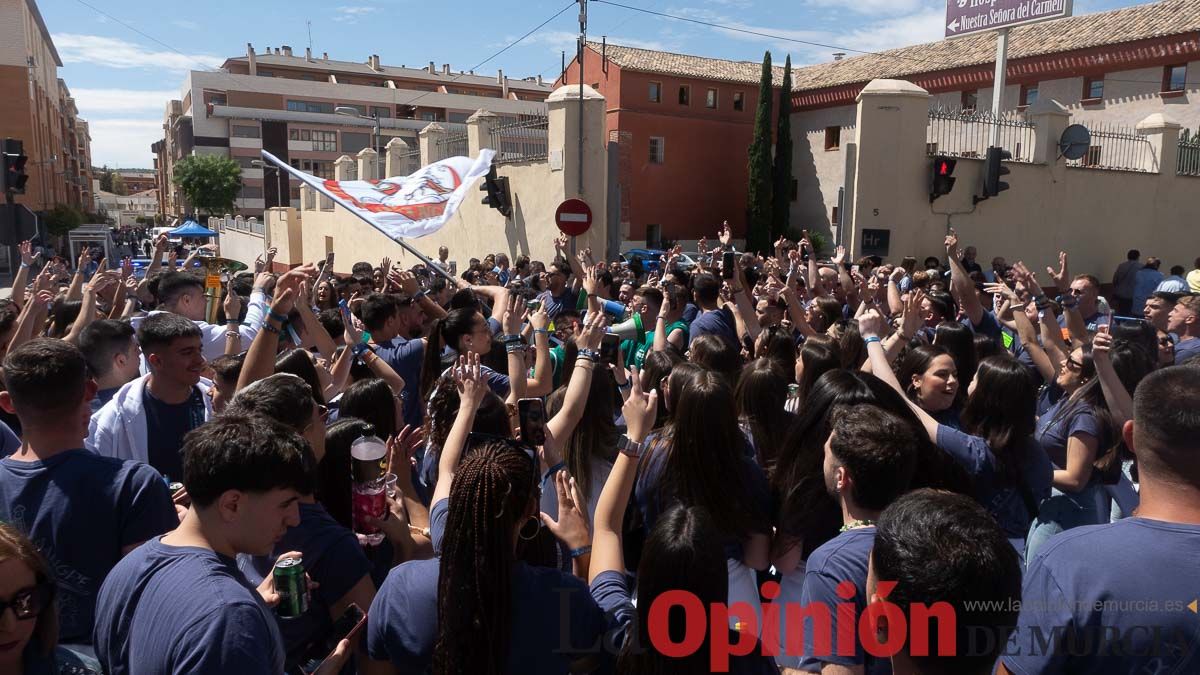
[(457, 117), (317, 168), (299, 135), (244, 162), (653, 236), (353, 142), (685, 95), (739, 101), (833, 138), (1174, 77), (655, 92), (969, 100), (310, 106), (215, 97), (658, 149), (251, 192), (324, 141), (265, 73), (710, 98), (381, 111), (1029, 94), (239, 131), (1093, 87)]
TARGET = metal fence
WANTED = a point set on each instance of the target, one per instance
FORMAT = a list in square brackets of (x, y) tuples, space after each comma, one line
[(968, 133), (1116, 148), (410, 161), (523, 140), (453, 145), (1189, 157)]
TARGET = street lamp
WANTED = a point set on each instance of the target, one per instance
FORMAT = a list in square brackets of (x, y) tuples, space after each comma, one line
[(278, 181), (348, 111)]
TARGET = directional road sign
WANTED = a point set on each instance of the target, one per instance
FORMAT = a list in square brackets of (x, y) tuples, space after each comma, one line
[(964, 17)]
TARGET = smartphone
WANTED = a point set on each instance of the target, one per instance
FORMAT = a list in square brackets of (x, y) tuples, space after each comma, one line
[(727, 265), (668, 289), (1125, 320), (347, 627), (453, 268), (610, 347), (533, 305), (804, 253), (532, 414)]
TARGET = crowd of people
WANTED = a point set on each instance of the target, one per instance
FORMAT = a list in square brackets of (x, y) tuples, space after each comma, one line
[(590, 467)]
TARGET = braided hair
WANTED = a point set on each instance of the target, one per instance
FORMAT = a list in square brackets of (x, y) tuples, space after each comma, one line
[(491, 496)]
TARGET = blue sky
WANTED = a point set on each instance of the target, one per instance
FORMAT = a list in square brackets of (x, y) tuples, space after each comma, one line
[(122, 76)]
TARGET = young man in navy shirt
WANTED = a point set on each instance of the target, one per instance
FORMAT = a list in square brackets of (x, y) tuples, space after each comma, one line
[(869, 460), (179, 603), (84, 512), (112, 354), (395, 323), (1120, 598)]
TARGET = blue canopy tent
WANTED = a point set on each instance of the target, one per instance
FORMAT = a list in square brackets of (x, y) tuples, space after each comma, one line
[(191, 228)]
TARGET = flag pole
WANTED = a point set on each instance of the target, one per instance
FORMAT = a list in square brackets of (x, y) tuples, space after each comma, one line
[(428, 263)]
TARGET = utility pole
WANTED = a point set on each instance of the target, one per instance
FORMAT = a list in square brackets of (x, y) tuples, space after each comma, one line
[(998, 84), (582, 47)]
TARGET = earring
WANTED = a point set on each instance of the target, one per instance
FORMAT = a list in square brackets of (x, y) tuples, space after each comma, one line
[(521, 532)]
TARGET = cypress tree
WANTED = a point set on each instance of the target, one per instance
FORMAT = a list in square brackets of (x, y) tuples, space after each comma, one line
[(781, 214), (758, 196)]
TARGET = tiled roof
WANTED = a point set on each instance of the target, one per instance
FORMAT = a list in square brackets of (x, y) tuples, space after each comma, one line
[(1139, 22), (683, 65), (334, 66)]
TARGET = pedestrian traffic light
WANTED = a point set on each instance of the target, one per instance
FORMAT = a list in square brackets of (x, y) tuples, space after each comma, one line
[(15, 178), (993, 169), (941, 177), (498, 195)]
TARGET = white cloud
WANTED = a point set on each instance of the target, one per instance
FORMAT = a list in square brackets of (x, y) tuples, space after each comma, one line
[(873, 7), (353, 14), (101, 101), (116, 53), (124, 142), (185, 24)]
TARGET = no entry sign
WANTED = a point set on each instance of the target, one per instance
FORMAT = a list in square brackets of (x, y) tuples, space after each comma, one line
[(964, 17), (573, 217)]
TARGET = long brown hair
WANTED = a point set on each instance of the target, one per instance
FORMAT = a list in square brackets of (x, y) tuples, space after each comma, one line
[(16, 546)]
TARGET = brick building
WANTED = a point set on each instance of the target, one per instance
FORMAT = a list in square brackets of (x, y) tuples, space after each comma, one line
[(286, 104), (680, 127), (36, 107)]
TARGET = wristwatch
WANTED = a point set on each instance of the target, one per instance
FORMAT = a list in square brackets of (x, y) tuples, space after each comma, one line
[(629, 447)]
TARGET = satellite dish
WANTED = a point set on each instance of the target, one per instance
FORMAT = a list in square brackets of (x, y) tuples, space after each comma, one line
[(1075, 141)]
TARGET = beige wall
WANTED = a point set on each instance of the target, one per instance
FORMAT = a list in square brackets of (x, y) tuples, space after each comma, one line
[(537, 188), (1094, 214), (819, 172)]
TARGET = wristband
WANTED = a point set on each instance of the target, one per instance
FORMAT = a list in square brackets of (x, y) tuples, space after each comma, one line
[(541, 331), (627, 385), (508, 339), (269, 328), (629, 447), (232, 334), (581, 551), (359, 349), (275, 315), (514, 347), (589, 354), (553, 470), (869, 340), (24, 265)]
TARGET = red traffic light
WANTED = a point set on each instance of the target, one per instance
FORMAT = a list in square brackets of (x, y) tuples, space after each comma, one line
[(943, 168)]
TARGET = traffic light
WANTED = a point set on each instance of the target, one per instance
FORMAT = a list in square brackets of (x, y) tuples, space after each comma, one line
[(15, 177), (993, 169), (498, 195), (941, 177)]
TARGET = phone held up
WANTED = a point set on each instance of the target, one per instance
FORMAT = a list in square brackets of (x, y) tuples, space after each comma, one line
[(532, 415), (610, 347), (727, 263), (347, 627)]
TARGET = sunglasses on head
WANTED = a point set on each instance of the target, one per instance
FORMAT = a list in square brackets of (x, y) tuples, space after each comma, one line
[(27, 603)]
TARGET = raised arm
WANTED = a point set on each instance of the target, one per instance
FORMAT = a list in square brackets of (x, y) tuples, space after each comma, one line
[(961, 286), (511, 322), (607, 553), (895, 301), (160, 245), (324, 341), (1070, 304), (75, 290), (542, 382), (471, 389), (1026, 333), (260, 359), (1120, 403), (87, 312), (741, 297), (564, 421), (22, 276), (870, 325)]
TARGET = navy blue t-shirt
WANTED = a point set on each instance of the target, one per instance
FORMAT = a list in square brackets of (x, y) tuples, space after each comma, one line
[(80, 510), (102, 397), (332, 558), (843, 558), (1005, 502), (1127, 585), (1186, 349), (9, 443), (557, 304), (183, 609), (403, 622), (611, 592), (166, 425), (1063, 419), (405, 357), (717, 322)]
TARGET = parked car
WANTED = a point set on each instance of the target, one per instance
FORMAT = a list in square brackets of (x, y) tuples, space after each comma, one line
[(651, 258)]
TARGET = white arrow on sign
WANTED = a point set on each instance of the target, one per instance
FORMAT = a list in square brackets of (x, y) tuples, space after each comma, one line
[(952, 26)]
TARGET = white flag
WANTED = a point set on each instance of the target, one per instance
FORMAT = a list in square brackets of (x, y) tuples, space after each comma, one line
[(404, 206)]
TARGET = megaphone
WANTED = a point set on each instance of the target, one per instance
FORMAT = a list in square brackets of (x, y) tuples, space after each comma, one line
[(628, 330)]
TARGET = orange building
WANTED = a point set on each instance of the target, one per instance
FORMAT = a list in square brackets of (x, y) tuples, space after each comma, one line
[(36, 107), (679, 128)]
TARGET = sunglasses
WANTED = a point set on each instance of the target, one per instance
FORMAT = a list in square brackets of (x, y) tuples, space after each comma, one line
[(27, 603), (1072, 364)]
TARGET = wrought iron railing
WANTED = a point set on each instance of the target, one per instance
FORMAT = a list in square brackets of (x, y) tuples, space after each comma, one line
[(523, 140), (1115, 148), (1188, 163), (453, 145), (968, 133)]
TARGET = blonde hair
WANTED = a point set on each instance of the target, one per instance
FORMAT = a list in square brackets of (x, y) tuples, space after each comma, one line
[(16, 546)]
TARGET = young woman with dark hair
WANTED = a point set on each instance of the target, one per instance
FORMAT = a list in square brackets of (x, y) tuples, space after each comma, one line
[(299, 362), (929, 377), (717, 355), (818, 355), (761, 396), (476, 608), (959, 342), (778, 344), (589, 449), (655, 371), (684, 552), (373, 402)]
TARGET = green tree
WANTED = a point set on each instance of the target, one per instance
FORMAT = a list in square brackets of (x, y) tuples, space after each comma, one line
[(106, 179), (118, 184), (758, 196), (209, 183), (782, 197), (62, 219)]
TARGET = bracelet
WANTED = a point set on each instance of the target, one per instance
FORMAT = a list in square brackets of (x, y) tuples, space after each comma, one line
[(627, 385), (581, 551), (541, 331), (869, 340), (278, 317), (514, 347), (510, 338), (553, 470), (269, 328), (24, 265), (589, 354), (423, 531), (232, 334)]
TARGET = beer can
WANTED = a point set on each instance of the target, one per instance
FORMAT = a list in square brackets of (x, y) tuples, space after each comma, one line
[(292, 587), (174, 487)]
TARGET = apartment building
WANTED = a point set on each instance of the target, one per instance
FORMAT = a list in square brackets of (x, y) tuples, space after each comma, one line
[(1109, 70), (680, 127), (136, 180), (289, 105), (36, 107)]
